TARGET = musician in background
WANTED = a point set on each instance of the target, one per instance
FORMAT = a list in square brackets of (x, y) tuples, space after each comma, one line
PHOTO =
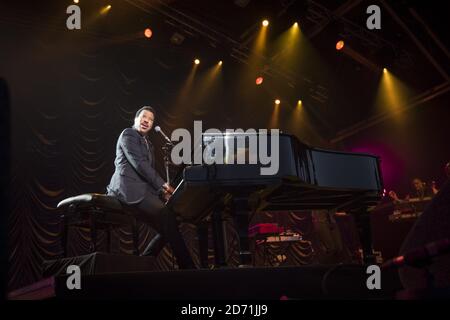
[(137, 184), (431, 227), (421, 191)]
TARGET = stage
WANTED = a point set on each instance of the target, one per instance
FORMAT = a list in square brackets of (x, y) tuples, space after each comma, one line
[(225, 284)]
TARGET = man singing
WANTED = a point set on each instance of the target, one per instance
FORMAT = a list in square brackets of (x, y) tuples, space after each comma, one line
[(135, 182)]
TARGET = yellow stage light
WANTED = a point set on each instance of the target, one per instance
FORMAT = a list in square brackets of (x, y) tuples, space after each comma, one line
[(105, 10), (277, 102), (197, 61), (265, 23)]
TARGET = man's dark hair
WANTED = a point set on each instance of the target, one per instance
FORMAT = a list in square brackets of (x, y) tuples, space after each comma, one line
[(148, 108)]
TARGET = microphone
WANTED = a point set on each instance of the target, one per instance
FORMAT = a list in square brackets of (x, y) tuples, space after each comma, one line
[(158, 129), (420, 256)]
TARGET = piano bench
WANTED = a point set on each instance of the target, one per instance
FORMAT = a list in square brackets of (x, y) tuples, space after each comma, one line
[(96, 212)]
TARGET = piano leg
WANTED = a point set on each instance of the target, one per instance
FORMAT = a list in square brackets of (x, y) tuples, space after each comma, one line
[(365, 234), (202, 232), (241, 216), (218, 236)]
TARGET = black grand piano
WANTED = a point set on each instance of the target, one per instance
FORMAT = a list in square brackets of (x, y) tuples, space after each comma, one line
[(308, 178)]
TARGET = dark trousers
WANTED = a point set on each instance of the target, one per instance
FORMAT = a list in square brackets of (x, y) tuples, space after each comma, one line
[(152, 211)]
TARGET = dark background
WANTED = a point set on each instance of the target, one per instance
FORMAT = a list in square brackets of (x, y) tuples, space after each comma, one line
[(73, 92)]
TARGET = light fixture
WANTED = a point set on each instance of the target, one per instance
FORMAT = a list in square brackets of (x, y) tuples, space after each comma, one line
[(340, 45), (148, 33)]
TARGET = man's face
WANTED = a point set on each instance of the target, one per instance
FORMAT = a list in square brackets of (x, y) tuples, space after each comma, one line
[(144, 122), (417, 184)]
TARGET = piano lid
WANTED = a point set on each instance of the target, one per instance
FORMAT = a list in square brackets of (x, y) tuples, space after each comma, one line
[(308, 178), (238, 155)]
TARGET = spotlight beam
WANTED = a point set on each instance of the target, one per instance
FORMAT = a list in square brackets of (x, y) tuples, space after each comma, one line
[(252, 32), (417, 100), (274, 121), (105, 9)]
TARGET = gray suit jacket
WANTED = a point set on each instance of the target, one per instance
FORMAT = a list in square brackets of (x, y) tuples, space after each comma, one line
[(134, 175)]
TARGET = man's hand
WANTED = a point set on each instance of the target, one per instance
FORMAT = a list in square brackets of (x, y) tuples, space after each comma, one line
[(168, 188), (167, 191), (166, 195), (434, 188), (393, 195)]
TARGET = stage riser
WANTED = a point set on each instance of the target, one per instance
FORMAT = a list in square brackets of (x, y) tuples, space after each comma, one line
[(99, 263), (320, 282)]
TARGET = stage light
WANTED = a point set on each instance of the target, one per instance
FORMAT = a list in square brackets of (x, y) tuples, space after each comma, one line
[(76, 1), (105, 10), (299, 102), (148, 33), (277, 102), (392, 94), (259, 44), (339, 45), (259, 80), (296, 24), (220, 62), (197, 61)]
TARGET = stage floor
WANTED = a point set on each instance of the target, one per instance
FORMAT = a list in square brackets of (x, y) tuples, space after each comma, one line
[(274, 283)]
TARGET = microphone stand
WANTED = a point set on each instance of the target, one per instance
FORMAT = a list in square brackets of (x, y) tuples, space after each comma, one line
[(166, 150)]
